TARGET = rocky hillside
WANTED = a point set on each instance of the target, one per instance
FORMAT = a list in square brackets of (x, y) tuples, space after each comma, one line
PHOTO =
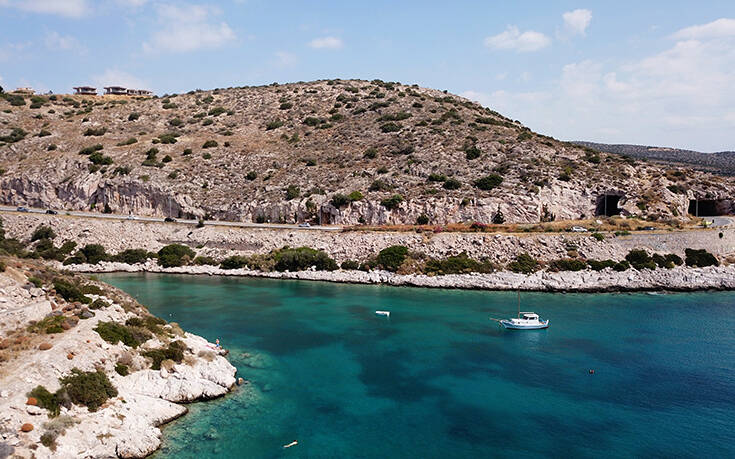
[(722, 162), (339, 151)]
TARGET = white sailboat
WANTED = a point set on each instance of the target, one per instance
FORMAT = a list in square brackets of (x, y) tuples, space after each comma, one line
[(524, 321)]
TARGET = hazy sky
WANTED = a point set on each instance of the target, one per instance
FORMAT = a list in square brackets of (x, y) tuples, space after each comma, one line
[(649, 72)]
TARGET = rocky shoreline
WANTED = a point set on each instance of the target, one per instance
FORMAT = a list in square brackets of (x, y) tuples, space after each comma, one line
[(607, 280), (126, 425)]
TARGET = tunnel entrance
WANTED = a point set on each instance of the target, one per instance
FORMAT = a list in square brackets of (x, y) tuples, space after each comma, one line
[(607, 205), (710, 207)]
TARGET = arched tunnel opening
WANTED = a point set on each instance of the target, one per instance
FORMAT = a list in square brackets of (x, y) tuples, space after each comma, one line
[(710, 207), (607, 205)]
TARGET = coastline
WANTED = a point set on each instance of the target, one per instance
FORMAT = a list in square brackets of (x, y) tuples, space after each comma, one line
[(127, 424), (607, 280)]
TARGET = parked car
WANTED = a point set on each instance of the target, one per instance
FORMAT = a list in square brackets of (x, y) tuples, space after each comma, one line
[(169, 219), (649, 228), (578, 229), (51, 212), (304, 225), (132, 217), (22, 209)]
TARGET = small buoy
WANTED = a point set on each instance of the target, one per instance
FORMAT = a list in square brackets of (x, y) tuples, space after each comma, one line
[(293, 443), (592, 372), (240, 381)]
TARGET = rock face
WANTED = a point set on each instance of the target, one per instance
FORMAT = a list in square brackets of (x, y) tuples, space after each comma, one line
[(125, 426), (319, 139)]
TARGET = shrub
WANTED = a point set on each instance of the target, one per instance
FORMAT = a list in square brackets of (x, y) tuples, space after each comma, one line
[(339, 200), (91, 388), (207, 156), (167, 159), (100, 160), (292, 192), (422, 219), (43, 232), (567, 264), (598, 236), (311, 121), (452, 184), (234, 262), (252, 175), (114, 333), (133, 116), (217, 111), (371, 153), (391, 258), (285, 106), (472, 152), (355, 196), (16, 135), (524, 263), (597, 265), (275, 124), (93, 253), (437, 178), (393, 202), (168, 138), (46, 400), (95, 132), (69, 291), (639, 259), (210, 144), (174, 255), (700, 258), (390, 127), (174, 351), (90, 150), (350, 265), (132, 256), (489, 182), (122, 369), (186, 152), (458, 264), (301, 258), (99, 303), (130, 141), (621, 266), (380, 185)]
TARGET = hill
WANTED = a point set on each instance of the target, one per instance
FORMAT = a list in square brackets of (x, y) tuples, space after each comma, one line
[(720, 162), (339, 151)]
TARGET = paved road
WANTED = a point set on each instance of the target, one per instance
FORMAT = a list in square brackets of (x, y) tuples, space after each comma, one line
[(719, 221), (178, 221)]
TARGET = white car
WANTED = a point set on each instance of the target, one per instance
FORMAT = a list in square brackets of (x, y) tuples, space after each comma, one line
[(132, 217), (304, 225), (578, 229)]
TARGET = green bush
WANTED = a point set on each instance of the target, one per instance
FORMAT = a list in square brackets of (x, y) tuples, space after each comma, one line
[(133, 116), (597, 265), (339, 200), (292, 192), (422, 219), (95, 131), (87, 388), (275, 124), (46, 400), (69, 291), (355, 196), (380, 185), (130, 141), (122, 369), (210, 144), (390, 127), (174, 351), (168, 138), (598, 236), (700, 258), (16, 135), (99, 159), (459, 264), (114, 333), (639, 259), (94, 253), (234, 262), (452, 184), (489, 182), (567, 264), (43, 232), (621, 266), (132, 256), (99, 303), (202, 260), (148, 322), (350, 265), (174, 255), (393, 202), (302, 258), (90, 150), (524, 263), (391, 258), (437, 178)]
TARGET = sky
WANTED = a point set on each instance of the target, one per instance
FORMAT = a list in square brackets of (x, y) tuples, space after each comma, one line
[(646, 72)]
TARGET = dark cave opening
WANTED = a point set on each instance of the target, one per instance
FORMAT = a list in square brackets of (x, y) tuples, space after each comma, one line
[(607, 205)]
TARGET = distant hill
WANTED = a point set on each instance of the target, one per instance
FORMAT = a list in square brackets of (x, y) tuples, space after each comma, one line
[(723, 162)]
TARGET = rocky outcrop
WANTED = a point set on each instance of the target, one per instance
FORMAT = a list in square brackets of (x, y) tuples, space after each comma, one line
[(127, 425)]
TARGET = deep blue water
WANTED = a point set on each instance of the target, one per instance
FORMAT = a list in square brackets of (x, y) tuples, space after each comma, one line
[(439, 380)]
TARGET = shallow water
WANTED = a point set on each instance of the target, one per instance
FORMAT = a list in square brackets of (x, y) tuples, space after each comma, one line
[(439, 380)]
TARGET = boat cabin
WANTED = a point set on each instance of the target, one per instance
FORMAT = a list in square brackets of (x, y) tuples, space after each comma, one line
[(529, 316)]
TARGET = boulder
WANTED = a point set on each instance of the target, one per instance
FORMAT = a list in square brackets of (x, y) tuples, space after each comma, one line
[(32, 401), (27, 427), (45, 346)]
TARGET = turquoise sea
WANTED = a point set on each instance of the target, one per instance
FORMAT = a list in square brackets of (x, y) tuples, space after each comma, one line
[(439, 380)]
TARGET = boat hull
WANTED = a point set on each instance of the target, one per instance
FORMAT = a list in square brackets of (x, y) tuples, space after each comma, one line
[(511, 326)]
